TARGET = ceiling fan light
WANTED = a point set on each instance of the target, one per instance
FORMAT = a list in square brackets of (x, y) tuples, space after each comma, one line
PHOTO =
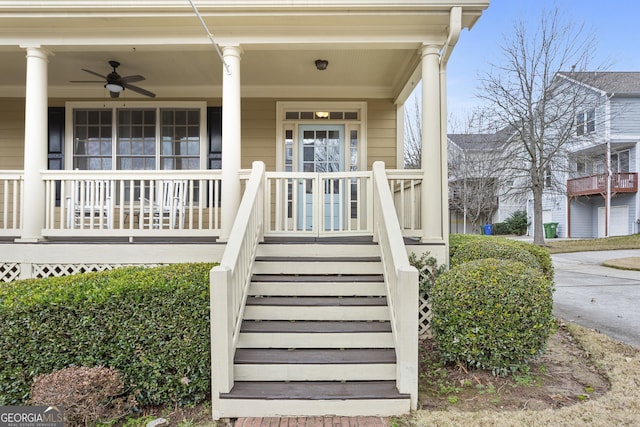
[(114, 87)]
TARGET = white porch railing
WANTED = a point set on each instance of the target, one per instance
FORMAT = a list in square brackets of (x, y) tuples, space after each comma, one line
[(187, 203), (11, 202), (401, 280), (307, 203), (406, 187), (230, 281), (132, 203)]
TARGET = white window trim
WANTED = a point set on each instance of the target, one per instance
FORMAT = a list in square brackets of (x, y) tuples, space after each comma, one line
[(281, 125), (70, 106)]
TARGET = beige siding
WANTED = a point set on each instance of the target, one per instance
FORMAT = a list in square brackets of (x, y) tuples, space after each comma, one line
[(381, 133), (259, 132), (11, 134)]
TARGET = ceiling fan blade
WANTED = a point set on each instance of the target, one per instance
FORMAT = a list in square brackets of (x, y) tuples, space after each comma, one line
[(86, 81), (132, 79), (139, 90), (94, 73)]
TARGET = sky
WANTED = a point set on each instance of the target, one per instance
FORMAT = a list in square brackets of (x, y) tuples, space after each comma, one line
[(613, 22)]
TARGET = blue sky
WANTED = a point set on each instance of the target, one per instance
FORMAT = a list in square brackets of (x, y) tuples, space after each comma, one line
[(613, 22)]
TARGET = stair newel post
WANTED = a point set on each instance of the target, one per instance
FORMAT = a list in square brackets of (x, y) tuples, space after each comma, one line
[(378, 173), (222, 325), (262, 208), (406, 312)]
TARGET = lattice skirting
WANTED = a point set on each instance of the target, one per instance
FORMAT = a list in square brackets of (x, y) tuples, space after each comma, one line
[(424, 318), (9, 271), (41, 271), (14, 271)]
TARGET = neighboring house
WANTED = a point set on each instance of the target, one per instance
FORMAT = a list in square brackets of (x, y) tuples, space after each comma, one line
[(126, 140), (478, 188), (601, 197)]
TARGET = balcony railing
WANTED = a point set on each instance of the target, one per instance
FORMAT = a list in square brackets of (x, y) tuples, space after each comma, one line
[(626, 182)]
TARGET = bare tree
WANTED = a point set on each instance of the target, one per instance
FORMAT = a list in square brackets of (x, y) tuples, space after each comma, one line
[(475, 176), (413, 134), (526, 97)]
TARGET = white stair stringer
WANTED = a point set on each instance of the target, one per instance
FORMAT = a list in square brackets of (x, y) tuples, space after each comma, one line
[(315, 338)]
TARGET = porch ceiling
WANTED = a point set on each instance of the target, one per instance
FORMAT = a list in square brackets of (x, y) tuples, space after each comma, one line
[(196, 71), (371, 46)]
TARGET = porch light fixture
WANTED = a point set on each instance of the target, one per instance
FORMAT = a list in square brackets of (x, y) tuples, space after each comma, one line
[(114, 87), (322, 64), (322, 114)]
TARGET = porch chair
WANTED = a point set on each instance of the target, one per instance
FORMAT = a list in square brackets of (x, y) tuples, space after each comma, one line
[(167, 208), (89, 206)]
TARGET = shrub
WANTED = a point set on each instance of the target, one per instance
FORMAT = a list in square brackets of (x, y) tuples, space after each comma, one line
[(493, 248), (492, 314), (542, 255), (501, 228), (457, 240), (152, 325), (517, 223), (88, 395), (428, 271)]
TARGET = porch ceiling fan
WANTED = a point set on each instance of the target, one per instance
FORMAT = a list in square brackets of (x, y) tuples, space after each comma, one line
[(115, 83)]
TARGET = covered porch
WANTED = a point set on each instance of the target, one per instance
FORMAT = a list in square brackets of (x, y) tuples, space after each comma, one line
[(289, 125)]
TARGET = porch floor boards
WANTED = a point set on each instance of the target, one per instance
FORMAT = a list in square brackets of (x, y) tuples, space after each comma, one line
[(318, 326)]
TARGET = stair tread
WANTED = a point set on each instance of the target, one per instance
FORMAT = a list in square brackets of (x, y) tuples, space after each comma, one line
[(314, 356), (284, 326), (296, 278), (314, 390), (321, 301)]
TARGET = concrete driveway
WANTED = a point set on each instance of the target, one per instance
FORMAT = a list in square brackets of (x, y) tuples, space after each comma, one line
[(597, 297)]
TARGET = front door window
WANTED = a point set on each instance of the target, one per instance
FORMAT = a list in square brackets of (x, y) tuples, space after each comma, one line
[(322, 150)]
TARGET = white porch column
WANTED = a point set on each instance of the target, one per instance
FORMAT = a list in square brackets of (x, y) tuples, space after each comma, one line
[(432, 198), (35, 143), (231, 125)]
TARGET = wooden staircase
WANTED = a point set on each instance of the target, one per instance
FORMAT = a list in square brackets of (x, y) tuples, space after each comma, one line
[(315, 337)]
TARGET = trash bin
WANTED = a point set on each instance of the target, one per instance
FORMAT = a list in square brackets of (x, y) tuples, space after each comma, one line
[(487, 229), (550, 230)]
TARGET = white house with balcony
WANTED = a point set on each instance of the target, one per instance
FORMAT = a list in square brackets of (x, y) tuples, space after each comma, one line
[(601, 197), (262, 135)]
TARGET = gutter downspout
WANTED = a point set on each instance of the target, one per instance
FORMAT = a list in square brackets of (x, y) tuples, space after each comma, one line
[(455, 27)]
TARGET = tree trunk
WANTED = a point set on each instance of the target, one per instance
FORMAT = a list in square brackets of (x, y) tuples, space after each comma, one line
[(538, 230)]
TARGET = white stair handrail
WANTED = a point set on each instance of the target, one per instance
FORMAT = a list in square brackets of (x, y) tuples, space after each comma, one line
[(401, 280), (229, 281)]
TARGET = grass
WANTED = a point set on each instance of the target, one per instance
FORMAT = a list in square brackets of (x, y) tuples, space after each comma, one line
[(606, 244)]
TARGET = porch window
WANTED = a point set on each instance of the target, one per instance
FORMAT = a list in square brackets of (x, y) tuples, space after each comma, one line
[(151, 138), (92, 141)]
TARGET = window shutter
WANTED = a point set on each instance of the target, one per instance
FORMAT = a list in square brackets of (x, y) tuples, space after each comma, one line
[(55, 146), (214, 132)]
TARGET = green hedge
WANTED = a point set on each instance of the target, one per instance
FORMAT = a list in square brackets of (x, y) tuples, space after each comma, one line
[(492, 314), (540, 253), (493, 248), (152, 325)]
